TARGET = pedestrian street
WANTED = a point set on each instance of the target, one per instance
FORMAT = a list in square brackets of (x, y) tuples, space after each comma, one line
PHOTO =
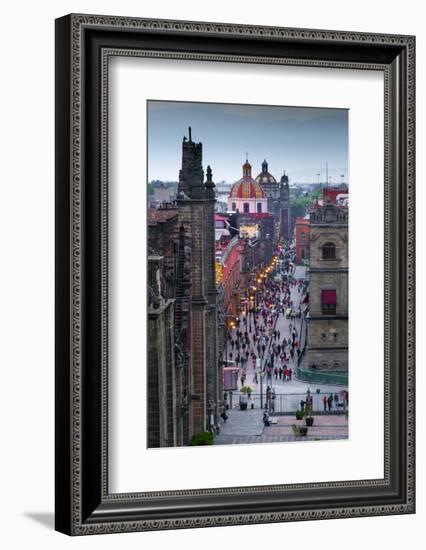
[(258, 372)]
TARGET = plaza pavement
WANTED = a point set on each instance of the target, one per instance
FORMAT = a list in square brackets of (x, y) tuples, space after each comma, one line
[(234, 431)]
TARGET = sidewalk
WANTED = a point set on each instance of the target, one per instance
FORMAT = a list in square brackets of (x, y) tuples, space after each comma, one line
[(327, 427)]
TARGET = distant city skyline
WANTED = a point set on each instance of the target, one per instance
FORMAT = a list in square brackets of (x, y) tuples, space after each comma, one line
[(299, 140)]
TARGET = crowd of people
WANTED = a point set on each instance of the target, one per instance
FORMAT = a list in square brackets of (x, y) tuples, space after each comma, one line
[(331, 401), (261, 344), (257, 341)]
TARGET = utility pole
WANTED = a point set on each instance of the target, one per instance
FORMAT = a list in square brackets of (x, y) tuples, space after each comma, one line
[(326, 173)]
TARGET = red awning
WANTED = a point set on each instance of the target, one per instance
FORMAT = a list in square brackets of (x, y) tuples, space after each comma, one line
[(328, 297)]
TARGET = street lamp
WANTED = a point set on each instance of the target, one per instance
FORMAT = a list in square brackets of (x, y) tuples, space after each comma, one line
[(262, 374)]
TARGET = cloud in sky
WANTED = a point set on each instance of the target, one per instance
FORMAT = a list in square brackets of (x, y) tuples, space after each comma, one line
[(297, 139)]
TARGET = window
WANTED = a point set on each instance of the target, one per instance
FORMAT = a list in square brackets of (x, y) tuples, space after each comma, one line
[(328, 302), (329, 309), (234, 206), (246, 208), (329, 251), (302, 236), (259, 207)]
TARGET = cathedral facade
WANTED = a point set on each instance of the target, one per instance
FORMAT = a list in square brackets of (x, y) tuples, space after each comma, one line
[(263, 195), (184, 373)]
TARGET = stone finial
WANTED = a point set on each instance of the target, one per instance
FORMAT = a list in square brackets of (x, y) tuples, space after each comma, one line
[(209, 183), (209, 177)]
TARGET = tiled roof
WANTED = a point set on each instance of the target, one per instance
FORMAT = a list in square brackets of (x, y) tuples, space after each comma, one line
[(247, 188)]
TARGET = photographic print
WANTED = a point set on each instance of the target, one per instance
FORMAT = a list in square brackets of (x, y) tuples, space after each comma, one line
[(248, 219)]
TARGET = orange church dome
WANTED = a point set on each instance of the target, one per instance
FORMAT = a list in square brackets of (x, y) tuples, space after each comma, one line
[(247, 187)]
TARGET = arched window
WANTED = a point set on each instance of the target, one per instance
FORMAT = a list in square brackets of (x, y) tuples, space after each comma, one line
[(259, 207), (302, 236), (234, 206), (246, 208), (329, 251)]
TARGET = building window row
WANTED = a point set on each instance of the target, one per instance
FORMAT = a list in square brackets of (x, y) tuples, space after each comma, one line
[(246, 207)]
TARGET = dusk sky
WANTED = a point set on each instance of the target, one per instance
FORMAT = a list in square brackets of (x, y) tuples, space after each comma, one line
[(298, 140)]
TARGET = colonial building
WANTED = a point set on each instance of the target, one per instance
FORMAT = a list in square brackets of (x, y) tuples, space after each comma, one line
[(278, 199), (327, 322), (285, 219), (258, 230), (302, 230), (247, 195), (271, 188), (184, 373), (231, 264)]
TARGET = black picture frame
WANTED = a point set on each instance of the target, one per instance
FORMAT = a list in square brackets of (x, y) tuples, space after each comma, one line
[(83, 504)]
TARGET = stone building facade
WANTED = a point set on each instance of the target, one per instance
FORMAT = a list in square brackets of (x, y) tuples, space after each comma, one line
[(271, 188), (278, 199), (284, 209), (186, 352), (327, 322), (302, 231), (162, 425), (247, 195), (161, 377)]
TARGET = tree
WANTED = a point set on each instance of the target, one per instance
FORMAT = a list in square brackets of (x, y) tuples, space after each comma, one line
[(299, 205)]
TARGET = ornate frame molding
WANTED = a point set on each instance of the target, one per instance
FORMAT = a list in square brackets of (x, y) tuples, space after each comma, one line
[(72, 46)]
